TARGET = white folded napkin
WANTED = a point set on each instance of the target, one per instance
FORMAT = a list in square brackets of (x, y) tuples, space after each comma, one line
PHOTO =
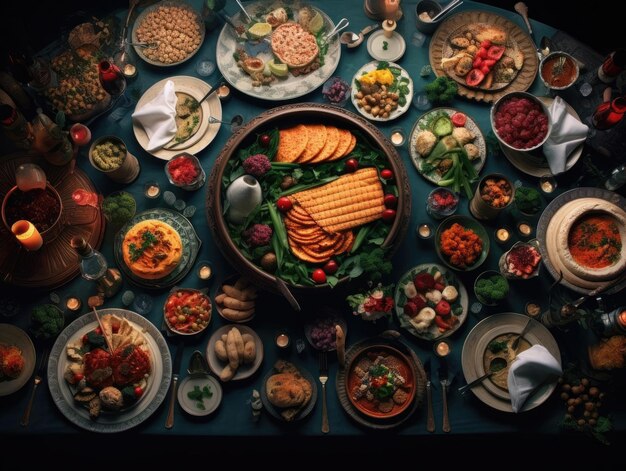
[(529, 370), (158, 117), (567, 133)]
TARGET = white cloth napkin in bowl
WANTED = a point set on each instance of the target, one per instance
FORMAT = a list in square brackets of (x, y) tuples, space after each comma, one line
[(567, 134), (529, 370), (158, 117)]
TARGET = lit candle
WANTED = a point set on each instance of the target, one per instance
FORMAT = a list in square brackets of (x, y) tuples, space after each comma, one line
[(27, 234), (388, 27), (524, 229), (397, 137), (223, 92), (151, 190), (532, 309), (442, 348), (547, 184), (73, 304), (424, 231), (80, 134), (502, 235), (205, 271), (282, 340), (129, 70)]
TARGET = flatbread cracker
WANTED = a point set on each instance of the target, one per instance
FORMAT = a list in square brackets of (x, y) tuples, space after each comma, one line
[(345, 138), (291, 143), (332, 141), (316, 142)]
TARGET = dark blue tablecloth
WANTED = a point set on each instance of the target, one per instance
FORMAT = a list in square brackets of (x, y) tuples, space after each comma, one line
[(233, 418)]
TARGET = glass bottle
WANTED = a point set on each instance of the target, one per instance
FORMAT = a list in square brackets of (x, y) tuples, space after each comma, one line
[(111, 78), (51, 141), (617, 178), (93, 265), (609, 113), (15, 127), (612, 66)]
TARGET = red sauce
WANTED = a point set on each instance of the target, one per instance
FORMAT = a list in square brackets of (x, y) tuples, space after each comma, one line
[(595, 242), (394, 360), (555, 78), (183, 170), (41, 207), (521, 123)]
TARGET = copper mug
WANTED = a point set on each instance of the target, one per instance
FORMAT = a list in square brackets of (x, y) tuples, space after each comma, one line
[(383, 9)]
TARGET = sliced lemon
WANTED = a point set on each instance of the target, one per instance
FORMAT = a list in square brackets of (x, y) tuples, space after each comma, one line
[(280, 70), (316, 23), (259, 30)]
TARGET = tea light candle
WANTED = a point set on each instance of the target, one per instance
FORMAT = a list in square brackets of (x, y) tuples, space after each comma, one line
[(282, 340), (547, 184), (532, 309), (442, 348), (397, 137), (424, 231), (80, 134), (205, 271), (524, 228), (502, 235), (223, 92), (73, 304), (27, 235), (129, 70), (151, 190)]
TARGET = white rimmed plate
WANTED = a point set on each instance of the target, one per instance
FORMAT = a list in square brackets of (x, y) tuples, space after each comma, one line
[(393, 51), (209, 403), (474, 349), (400, 110), (210, 107)]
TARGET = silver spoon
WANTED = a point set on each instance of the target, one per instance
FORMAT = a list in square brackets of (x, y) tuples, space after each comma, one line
[(526, 328), (352, 39), (248, 17), (342, 24), (449, 7)]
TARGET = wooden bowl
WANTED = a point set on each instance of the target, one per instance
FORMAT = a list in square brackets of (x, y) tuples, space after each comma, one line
[(286, 116)]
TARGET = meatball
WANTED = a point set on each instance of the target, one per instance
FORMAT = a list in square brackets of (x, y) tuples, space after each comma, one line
[(400, 396)]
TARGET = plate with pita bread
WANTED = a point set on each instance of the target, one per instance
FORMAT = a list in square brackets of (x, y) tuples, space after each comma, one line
[(486, 54), (87, 370)]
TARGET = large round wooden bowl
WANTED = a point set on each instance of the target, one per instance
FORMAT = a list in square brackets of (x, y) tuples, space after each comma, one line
[(286, 116)]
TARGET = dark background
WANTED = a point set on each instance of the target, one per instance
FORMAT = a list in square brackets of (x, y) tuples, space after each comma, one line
[(37, 23)]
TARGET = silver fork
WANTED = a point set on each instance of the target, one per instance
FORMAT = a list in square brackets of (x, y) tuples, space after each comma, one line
[(43, 362), (323, 360)]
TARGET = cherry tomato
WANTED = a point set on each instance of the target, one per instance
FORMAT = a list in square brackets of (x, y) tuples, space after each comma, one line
[(391, 201), (98, 331), (78, 377), (485, 70), (319, 276), (379, 381), (352, 165), (389, 215), (482, 53), (85, 339), (138, 391), (474, 78), (331, 267), (386, 174), (442, 324), (486, 44), (284, 204), (478, 62), (264, 140), (495, 52), (459, 119), (489, 62)]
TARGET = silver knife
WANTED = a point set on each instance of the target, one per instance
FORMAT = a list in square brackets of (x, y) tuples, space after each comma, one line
[(443, 379), (178, 359), (430, 418)]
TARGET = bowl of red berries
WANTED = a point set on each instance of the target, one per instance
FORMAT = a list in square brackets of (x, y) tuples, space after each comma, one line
[(184, 171), (520, 121), (441, 203)]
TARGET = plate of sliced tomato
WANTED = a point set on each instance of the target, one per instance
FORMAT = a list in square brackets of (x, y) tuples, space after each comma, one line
[(187, 311)]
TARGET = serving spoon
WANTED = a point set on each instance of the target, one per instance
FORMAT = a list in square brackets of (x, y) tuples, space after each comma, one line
[(449, 7), (352, 39)]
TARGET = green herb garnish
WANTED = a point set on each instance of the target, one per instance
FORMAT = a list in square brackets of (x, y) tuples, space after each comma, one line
[(495, 346), (385, 45), (148, 240), (198, 395)]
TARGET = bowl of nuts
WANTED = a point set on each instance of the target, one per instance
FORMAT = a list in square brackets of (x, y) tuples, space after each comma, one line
[(168, 33), (371, 94)]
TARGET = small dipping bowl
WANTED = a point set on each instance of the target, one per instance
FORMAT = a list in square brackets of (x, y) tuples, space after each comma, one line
[(558, 81), (282, 340), (431, 8)]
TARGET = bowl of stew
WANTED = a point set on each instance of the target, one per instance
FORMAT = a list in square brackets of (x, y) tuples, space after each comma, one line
[(558, 70), (520, 121)]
